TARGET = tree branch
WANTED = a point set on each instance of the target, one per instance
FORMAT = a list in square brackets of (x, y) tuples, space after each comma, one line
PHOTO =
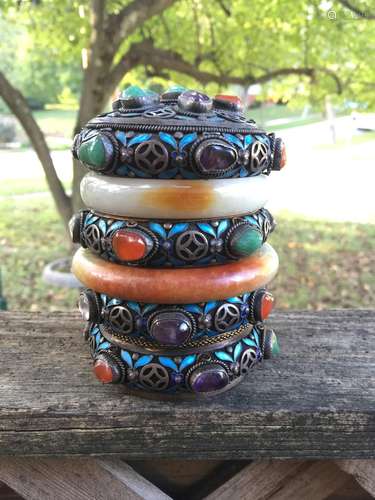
[(363, 14), (131, 17), (336, 79), (127, 62), (162, 60), (18, 105)]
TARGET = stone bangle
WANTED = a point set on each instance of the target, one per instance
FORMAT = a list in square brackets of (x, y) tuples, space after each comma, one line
[(174, 199), (194, 374), (179, 286), (150, 326), (171, 243)]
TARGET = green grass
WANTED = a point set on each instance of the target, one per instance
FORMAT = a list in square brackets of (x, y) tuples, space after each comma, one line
[(361, 138), (12, 187), (57, 125), (322, 265), (32, 236), (56, 122), (266, 114)]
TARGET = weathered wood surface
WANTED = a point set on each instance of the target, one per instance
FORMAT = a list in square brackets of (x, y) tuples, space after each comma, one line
[(282, 480), (314, 401), (362, 470), (78, 479), (259, 480)]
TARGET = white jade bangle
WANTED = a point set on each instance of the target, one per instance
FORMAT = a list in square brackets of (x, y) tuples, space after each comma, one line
[(174, 199)]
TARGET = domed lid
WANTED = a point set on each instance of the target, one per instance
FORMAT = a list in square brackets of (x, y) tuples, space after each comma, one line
[(178, 134), (175, 109)]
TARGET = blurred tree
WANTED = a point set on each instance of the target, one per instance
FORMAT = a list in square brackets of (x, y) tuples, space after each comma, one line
[(35, 68), (298, 45)]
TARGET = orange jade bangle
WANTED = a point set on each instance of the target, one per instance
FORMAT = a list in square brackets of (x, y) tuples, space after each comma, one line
[(176, 286)]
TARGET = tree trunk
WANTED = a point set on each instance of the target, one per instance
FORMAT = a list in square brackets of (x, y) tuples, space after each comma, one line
[(94, 93), (18, 105), (94, 97)]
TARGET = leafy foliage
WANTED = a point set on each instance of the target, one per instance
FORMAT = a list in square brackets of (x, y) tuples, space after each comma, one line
[(45, 40)]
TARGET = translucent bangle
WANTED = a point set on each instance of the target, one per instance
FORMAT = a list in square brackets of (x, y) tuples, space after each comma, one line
[(174, 199), (176, 286)]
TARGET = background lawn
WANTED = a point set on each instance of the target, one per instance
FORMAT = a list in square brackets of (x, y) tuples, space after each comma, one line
[(322, 265), (58, 122)]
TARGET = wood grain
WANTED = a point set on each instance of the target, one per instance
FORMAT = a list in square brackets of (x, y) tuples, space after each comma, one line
[(259, 480), (363, 471), (78, 479), (315, 401), (317, 482)]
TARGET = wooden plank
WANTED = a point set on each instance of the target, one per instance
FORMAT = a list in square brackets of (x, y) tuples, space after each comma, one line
[(317, 482), (81, 479), (7, 493), (314, 401), (350, 490), (362, 470), (259, 480), (134, 482), (182, 478)]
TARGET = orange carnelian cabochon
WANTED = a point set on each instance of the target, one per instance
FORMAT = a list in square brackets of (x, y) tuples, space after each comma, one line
[(283, 156), (103, 371), (266, 305), (231, 98), (129, 245)]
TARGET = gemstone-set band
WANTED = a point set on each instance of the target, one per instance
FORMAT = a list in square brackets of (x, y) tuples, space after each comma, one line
[(174, 324), (174, 255), (160, 243), (193, 374)]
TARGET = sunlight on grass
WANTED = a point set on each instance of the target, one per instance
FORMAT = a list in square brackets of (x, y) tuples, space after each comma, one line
[(56, 122), (14, 187)]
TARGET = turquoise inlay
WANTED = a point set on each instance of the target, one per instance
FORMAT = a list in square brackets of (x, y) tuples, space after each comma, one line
[(248, 140), (143, 360), (168, 362), (193, 308), (149, 308), (234, 300), (209, 306), (222, 227), (189, 360), (125, 356), (207, 228), (249, 342), (121, 136), (169, 139), (178, 228), (102, 226), (158, 229), (117, 225), (234, 140), (139, 138), (223, 356), (187, 139), (134, 306), (237, 351)]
